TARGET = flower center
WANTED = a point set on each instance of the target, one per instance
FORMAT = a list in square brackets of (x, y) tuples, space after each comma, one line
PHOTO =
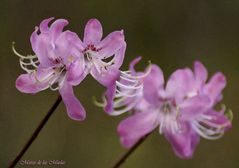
[(168, 117), (167, 108), (88, 56), (90, 47), (89, 52), (92, 58), (56, 60), (54, 79)]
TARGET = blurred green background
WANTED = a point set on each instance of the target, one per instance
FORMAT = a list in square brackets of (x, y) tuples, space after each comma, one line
[(170, 33)]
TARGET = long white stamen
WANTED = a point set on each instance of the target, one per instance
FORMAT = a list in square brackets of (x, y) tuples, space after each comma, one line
[(55, 81), (21, 56), (127, 108), (119, 102), (33, 63), (127, 87), (54, 89), (128, 71), (110, 62), (125, 94), (213, 124), (129, 80), (45, 79), (100, 104), (25, 68), (207, 133), (29, 66), (59, 78), (126, 74)]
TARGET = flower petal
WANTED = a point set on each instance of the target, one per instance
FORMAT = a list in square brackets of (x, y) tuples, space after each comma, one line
[(132, 64), (44, 25), (111, 44), (193, 107), (119, 57), (68, 47), (180, 83), (200, 72), (39, 46), (74, 108), (109, 95), (33, 82), (215, 86), (107, 77), (93, 32), (135, 127), (218, 119), (57, 28), (183, 142), (152, 84), (76, 72)]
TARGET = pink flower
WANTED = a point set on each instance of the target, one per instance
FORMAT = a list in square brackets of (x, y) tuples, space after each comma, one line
[(183, 109), (62, 60), (56, 53), (95, 55)]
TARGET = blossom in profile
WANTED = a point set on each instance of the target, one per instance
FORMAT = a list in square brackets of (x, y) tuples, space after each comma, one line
[(182, 109), (102, 58), (56, 54), (62, 60)]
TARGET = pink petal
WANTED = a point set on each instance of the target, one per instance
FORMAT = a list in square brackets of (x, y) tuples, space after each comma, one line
[(111, 44), (74, 108), (215, 86), (68, 47), (183, 142), (39, 45), (135, 127), (133, 64), (93, 32), (195, 106), (31, 83), (119, 56), (44, 25), (57, 28), (219, 119), (152, 84), (200, 72), (76, 72), (107, 77), (109, 95), (180, 83)]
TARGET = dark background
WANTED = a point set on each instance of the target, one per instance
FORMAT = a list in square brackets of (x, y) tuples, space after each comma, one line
[(170, 33)]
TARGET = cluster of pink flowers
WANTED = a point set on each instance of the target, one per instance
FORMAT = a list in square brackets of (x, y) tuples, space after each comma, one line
[(183, 109), (63, 60)]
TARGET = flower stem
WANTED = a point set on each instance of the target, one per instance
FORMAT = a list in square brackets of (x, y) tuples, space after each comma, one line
[(35, 133), (130, 151)]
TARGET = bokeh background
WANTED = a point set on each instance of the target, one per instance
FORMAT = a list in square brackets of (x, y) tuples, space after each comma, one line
[(170, 33)]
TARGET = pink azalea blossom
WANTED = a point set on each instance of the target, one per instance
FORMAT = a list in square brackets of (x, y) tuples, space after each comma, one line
[(56, 53), (62, 60), (183, 109), (95, 55)]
